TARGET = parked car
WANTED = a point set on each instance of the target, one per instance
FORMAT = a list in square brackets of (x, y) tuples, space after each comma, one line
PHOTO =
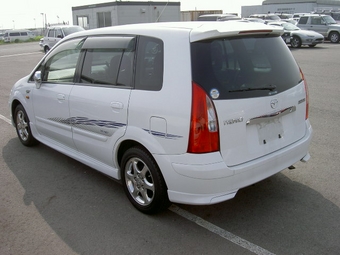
[(55, 34), (218, 17), (298, 36), (254, 20), (17, 34), (296, 16), (234, 113), (323, 24), (270, 17)]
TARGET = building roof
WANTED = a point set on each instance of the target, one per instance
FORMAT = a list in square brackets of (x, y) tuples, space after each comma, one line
[(125, 3), (328, 2)]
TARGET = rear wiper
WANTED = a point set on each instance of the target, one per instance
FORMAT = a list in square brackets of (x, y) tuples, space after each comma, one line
[(269, 87)]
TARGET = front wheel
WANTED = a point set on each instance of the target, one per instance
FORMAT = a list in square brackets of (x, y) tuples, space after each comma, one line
[(46, 49), (334, 37), (295, 42), (143, 182), (22, 127)]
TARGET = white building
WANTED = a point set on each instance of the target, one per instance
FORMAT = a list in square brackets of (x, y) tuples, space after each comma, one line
[(290, 6), (120, 13)]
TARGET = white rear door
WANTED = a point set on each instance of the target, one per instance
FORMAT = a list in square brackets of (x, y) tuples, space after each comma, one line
[(258, 93)]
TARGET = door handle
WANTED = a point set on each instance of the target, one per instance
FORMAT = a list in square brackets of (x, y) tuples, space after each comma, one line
[(61, 97), (117, 105)]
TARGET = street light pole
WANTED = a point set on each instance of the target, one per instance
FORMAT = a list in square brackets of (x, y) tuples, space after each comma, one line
[(43, 26)]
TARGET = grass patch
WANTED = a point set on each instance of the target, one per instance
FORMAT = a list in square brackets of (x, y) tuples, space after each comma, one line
[(35, 39)]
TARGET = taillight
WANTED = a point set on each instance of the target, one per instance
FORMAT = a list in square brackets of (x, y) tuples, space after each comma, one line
[(307, 94), (203, 136)]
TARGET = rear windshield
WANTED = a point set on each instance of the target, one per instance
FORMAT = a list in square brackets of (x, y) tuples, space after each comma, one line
[(243, 67)]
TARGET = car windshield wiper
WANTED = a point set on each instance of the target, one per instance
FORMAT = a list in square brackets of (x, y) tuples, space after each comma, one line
[(269, 87)]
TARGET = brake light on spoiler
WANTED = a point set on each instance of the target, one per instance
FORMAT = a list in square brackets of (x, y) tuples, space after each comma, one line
[(262, 31)]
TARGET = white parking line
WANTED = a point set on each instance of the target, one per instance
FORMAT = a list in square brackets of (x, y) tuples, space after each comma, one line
[(221, 232), (207, 225), (20, 54), (5, 119)]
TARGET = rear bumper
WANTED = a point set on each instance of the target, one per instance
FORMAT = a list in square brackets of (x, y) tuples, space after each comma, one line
[(205, 179)]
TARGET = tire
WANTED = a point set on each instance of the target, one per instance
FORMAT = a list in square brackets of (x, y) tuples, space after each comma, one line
[(22, 127), (46, 49), (295, 42), (143, 182), (334, 37)]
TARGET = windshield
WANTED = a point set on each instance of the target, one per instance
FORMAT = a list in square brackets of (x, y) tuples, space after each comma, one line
[(273, 17), (329, 20), (230, 68), (290, 26), (70, 30)]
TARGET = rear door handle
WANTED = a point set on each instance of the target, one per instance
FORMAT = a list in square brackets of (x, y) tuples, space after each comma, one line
[(61, 97), (117, 105)]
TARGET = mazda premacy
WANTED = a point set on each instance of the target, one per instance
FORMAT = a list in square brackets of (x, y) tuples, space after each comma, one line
[(185, 112)]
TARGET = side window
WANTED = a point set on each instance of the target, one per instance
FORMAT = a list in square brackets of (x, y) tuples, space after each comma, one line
[(61, 66), (303, 20), (58, 33), (108, 67), (149, 67), (108, 60), (51, 33), (23, 34), (316, 21)]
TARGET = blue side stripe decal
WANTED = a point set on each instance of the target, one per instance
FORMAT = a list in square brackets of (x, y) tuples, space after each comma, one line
[(162, 135)]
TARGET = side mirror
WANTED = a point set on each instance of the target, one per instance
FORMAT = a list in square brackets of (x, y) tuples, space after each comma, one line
[(37, 79)]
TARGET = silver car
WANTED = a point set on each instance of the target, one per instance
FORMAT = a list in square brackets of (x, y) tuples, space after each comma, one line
[(55, 34), (298, 36)]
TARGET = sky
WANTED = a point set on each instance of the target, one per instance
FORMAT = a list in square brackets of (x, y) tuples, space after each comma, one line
[(18, 14)]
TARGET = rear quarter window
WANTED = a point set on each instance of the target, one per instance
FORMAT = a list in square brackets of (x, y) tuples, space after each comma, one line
[(149, 67), (303, 20), (244, 67)]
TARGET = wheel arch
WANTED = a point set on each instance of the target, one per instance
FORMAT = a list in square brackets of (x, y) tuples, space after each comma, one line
[(135, 136), (124, 146), (14, 105), (127, 144), (331, 32)]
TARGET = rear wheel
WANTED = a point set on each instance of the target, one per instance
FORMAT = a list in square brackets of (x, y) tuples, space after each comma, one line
[(22, 127), (334, 37), (46, 49), (295, 42), (143, 182)]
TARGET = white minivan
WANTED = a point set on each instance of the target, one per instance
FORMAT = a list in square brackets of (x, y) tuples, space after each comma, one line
[(18, 34), (185, 112)]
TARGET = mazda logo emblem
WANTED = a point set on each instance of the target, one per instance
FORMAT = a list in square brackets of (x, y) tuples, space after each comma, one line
[(274, 103)]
